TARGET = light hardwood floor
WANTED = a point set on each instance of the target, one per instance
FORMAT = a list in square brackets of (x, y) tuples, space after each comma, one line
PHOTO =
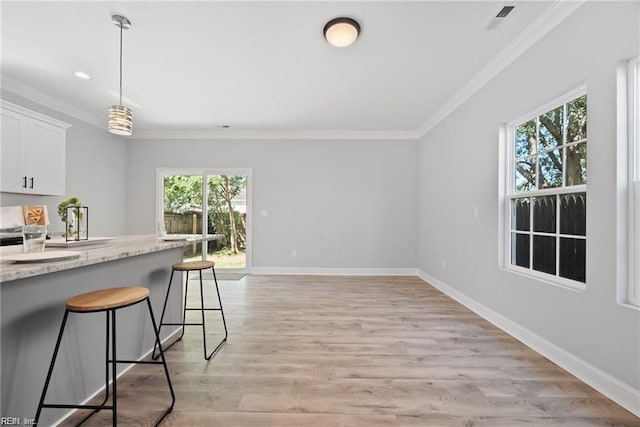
[(357, 351)]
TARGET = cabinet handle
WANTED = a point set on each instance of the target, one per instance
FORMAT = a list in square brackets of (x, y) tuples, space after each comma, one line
[(24, 182), (31, 186)]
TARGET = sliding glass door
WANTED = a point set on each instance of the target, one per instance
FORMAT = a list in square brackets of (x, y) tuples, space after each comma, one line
[(213, 203)]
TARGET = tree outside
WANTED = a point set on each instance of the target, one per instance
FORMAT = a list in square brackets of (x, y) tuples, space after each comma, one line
[(226, 215)]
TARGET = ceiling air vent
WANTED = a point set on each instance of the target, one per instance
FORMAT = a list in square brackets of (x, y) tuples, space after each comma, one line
[(502, 14)]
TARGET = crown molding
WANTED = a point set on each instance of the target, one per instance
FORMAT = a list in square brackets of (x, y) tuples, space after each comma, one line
[(52, 103), (227, 134), (545, 22)]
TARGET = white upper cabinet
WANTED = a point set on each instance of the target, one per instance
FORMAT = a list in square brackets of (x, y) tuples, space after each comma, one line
[(32, 153)]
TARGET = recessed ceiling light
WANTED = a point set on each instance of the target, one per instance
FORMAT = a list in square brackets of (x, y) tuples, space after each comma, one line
[(82, 75), (341, 32)]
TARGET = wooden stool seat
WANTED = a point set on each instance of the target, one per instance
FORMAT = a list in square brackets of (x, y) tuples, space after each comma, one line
[(193, 265), (105, 299)]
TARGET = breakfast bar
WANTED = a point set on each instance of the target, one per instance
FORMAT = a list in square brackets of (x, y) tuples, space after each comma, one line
[(33, 296)]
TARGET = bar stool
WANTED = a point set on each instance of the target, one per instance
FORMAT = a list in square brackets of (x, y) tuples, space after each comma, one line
[(107, 300), (187, 267)]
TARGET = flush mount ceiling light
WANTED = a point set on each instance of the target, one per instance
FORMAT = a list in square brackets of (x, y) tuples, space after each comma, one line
[(341, 32), (120, 118)]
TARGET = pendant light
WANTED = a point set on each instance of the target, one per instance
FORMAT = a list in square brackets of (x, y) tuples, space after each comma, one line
[(120, 118)]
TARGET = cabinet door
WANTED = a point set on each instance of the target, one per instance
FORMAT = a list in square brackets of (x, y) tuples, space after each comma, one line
[(46, 154), (12, 153)]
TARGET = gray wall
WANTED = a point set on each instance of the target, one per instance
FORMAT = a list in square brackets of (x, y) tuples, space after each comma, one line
[(96, 167), (458, 169), (340, 204)]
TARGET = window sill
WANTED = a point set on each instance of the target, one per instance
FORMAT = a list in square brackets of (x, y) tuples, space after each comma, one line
[(567, 284)]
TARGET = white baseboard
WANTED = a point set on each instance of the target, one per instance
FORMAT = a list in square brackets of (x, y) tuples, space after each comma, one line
[(616, 390), (313, 271)]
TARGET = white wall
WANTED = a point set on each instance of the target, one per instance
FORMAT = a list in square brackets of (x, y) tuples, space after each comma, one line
[(340, 204), (458, 169), (96, 167)]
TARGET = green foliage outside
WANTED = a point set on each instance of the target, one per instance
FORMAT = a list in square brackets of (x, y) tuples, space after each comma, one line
[(184, 193), (540, 143)]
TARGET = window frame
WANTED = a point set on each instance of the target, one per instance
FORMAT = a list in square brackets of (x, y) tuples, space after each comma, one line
[(509, 159), (632, 293)]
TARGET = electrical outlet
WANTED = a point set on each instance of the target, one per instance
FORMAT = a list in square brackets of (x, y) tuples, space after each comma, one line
[(294, 253), (264, 212), (476, 212), (444, 265)]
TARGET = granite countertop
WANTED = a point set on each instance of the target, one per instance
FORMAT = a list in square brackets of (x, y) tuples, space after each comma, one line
[(116, 248)]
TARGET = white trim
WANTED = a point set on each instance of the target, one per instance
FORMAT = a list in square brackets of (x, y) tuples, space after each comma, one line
[(53, 103), (545, 22), (321, 271), (633, 141), (33, 114), (231, 134), (618, 391), (556, 102)]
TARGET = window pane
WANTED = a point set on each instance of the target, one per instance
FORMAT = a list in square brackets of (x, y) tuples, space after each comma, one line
[(525, 172), (525, 139), (573, 259), (520, 250), (520, 214), (573, 214), (550, 134), (550, 166), (544, 214), (577, 164), (544, 254), (577, 119)]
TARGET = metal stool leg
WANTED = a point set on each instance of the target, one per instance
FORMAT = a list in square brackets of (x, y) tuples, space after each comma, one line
[(53, 361), (224, 323), (114, 366), (106, 371), (164, 362), (154, 356)]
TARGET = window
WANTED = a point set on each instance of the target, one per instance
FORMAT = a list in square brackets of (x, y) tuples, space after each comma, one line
[(546, 192), (633, 106)]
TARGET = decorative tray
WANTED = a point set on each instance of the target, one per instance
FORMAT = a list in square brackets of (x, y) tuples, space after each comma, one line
[(42, 256), (62, 243)]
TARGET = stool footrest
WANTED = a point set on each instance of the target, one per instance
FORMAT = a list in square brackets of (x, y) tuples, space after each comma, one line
[(182, 324), (200, 309), (146, 362)]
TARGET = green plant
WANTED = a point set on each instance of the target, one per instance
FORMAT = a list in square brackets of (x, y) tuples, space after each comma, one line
[(62, 213)]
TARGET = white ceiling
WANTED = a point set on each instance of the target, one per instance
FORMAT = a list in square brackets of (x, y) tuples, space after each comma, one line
[(264, 68)]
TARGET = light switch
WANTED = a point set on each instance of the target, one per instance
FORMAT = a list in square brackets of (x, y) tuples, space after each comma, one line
[(475, 212), (264, 212)]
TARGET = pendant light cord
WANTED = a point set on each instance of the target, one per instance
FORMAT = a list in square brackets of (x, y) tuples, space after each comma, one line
[(120, 63)]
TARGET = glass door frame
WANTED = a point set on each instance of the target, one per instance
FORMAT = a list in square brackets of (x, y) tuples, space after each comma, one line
[(161, 172)]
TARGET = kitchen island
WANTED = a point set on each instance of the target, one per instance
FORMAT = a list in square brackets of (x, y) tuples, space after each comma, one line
[(32, 298)]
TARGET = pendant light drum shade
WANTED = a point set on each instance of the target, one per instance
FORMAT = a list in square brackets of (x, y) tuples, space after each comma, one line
[(120, 120), (341, 32)]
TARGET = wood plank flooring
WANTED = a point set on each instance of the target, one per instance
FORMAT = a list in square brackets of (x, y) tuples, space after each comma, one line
[(356, 351)]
